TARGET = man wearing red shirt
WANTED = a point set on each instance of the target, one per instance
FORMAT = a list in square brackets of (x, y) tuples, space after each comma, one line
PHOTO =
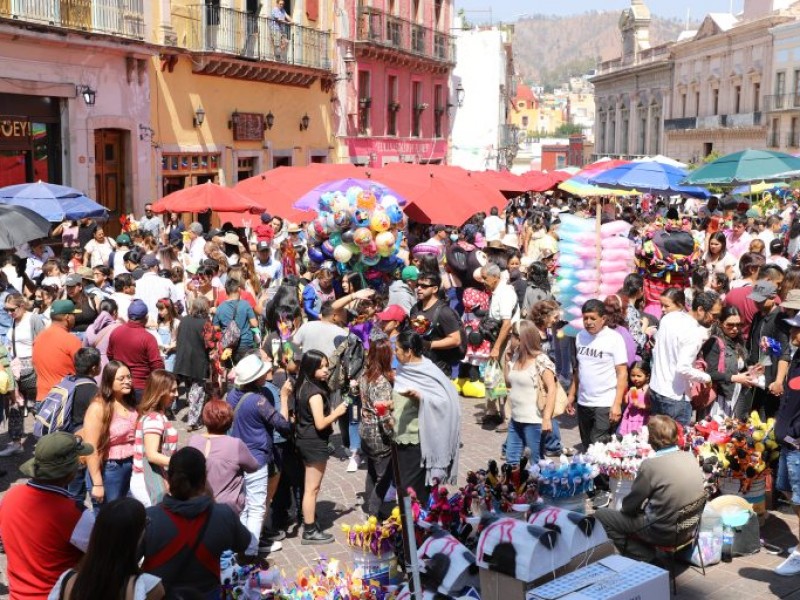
[(133, 345), (54, 349), (45, 531), (740, 297)]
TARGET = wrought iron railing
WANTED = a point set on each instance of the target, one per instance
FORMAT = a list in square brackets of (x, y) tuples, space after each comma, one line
[(211, 28), (378, 27), (123, 18), (782, 102)]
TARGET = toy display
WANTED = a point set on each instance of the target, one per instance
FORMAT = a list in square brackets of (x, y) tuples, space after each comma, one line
[(621, 457), (373, 537), (566, 479)]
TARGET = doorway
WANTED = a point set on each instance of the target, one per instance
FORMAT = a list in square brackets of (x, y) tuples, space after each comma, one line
[(281, 161), (109, 174)]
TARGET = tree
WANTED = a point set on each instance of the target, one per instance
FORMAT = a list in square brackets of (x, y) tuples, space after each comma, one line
[(567, 129)]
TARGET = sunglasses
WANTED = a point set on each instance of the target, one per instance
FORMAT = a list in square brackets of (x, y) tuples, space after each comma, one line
[(10, 309), (425, 286)]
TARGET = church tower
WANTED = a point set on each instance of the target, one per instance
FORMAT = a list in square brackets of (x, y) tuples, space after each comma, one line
[(634, 24)]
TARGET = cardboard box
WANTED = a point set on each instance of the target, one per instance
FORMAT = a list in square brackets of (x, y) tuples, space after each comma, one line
[(497, 586), (612, 578)]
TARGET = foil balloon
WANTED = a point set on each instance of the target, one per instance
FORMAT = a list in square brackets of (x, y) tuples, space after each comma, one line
[(370, 261), (335, 238), (327, 249), (384, 239), (366, 200), (320, 227), (394, 213), (369, 250), (311, 234), (330, 222), (326, 202), (352, 194), (353, 248), (315, 255), (379, 222), (347, 236), (342, 253), (389, 200), (342, 219), (362, 236), (361, 217), (339, 202)]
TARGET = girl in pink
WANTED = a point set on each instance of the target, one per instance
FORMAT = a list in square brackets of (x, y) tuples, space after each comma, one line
[(637, 400)]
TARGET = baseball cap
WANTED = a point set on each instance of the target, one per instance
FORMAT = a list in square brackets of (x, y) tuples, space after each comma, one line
[(137, 310), (763, 290), (63, 307), (56, 456), (393, 312), (410, 273), (123, 239), (266, 217), (73, 279), (85, 273), (792, 300), (150, 261), (262, 246)]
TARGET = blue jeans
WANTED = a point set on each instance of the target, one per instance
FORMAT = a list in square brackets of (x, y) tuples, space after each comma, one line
[(680, 410), (520, 436), (116, 480), (77, 487), (552, 439), (255, 507), (788, 479)]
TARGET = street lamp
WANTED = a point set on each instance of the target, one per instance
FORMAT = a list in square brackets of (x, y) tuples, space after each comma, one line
[(199, 116)]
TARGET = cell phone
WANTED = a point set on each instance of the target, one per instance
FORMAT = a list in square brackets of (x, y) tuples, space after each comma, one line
[(792, 441)]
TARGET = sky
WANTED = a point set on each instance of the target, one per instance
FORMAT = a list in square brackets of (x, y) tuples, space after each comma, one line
[(511, 10)]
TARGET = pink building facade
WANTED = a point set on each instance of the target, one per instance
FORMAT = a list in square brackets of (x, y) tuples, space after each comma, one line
[(400, 105)]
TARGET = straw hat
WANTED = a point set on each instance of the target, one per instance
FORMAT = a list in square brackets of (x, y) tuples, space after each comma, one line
[(251, 368)]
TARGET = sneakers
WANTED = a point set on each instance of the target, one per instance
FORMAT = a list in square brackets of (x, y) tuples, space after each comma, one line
[(791, 566), (352, 465), (12, 449), (273, 535), (269, 546), (601, 500), (312, 536)]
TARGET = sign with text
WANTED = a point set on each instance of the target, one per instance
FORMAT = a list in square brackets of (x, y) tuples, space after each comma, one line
[(15, 129), (248, 127)]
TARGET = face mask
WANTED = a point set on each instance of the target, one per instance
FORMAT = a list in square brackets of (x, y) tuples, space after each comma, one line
[(453, 237)]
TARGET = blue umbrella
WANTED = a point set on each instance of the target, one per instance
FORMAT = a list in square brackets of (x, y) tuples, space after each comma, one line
[(55, 203), (310, 200), (648, 176)]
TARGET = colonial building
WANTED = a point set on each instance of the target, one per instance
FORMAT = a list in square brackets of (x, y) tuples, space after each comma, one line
[(74, 97), (237, 89), (782, 104), (721, 81), (392, 101), (632, 92)]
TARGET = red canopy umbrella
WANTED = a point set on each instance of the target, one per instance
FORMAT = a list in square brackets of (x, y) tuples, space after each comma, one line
[(296, 181), (271, 198), (202, 198), (445, 202)]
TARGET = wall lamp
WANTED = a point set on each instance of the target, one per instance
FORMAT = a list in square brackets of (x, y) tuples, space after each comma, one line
[(304, 122), (269, 120), (349, 60), (199, 116), (460, 95), (89, 95)]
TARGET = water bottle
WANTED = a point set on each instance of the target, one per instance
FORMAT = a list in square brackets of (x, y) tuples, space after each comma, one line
[(727, 542)]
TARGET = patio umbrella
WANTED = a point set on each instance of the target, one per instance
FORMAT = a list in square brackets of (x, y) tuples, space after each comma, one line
[(55, 203), (204, 197), (580, 186), (744, 167), (648, 176), (442, 203), (296, 181), (760, 187), (272, 198), (310, 200), (19, 224)]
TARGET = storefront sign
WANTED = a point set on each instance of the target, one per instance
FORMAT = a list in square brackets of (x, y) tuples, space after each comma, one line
[(248, 127), (14, 129)]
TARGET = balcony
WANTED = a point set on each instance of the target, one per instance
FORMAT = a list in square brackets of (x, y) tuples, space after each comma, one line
[(680, 124), (387, 34), (793, 139), (782, 102), (123, 18), (238, 44), (737, 121)]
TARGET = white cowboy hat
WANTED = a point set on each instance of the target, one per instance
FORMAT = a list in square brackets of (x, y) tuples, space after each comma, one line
[(251, 368)]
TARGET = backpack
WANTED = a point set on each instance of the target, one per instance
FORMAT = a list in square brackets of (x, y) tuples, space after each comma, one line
[(346, 364), (233, 333), (54, 412), (702, 396), (462, 347)]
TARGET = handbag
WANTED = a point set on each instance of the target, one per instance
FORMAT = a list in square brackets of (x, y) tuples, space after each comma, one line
[(494, 380), (154, 481), (232, 334), (561, 402)]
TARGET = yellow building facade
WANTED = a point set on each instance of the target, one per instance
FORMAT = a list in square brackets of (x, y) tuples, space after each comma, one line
[(237, 90)]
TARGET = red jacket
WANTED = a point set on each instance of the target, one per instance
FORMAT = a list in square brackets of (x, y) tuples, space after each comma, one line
[(133, 345)]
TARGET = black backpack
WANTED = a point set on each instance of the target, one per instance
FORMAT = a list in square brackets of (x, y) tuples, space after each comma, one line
[(346, 364), (462, 347)]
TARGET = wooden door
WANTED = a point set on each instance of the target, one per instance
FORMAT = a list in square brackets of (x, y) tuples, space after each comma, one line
[(109, 173)]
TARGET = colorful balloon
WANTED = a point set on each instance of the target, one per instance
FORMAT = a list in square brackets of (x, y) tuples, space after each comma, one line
[(342, 253), (389, 200), (379, 221), (366, 200), (347, 236), (362, 236), (394, 213), (325, 202), (342, 219)]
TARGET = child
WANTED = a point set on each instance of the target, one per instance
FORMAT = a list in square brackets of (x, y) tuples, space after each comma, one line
[(637, 400)]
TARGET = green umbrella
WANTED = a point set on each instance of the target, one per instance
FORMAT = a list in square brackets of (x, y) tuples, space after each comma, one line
[(744, 167)]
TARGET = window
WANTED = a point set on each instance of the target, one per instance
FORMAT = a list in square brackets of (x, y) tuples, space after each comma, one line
[(364, 103), (393, 106), (437, 11), (417, 107), (780, 83), (793, 134), (697, 104), (525, 121), (438, 110), (737, 99), (757, 96), (773, 134), (796, 89), (642, 130), (683, 105), (715, 101), (246, 168)]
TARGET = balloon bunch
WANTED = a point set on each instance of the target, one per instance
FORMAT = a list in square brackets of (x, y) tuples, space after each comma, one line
[(361, 230), (580, 276), (371, 536)]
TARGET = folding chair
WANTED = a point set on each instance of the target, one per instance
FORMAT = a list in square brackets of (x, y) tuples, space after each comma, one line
[(686, 534)]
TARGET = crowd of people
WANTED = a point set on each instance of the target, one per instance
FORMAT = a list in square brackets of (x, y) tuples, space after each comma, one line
[(271, 351)]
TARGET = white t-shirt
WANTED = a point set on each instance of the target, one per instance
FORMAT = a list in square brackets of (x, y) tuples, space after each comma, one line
[(598, 357), (493, 228), (99, 253), (503, 304)]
